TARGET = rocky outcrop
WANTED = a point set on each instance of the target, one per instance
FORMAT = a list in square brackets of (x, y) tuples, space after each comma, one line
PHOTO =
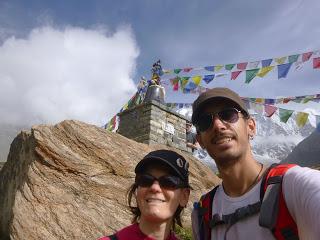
[(307, 152), (69, 181)]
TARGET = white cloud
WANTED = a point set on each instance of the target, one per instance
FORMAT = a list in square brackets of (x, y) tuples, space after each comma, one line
[(72, 73)]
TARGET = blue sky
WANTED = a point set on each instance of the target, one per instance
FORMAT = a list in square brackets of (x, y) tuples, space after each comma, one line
[(50, 50)]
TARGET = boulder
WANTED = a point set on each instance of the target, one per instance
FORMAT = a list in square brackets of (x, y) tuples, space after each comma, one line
[(307, 152), (69, 181)]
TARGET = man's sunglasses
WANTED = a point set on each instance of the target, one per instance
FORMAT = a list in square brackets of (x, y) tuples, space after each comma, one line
[(230, 115), (168, 181)]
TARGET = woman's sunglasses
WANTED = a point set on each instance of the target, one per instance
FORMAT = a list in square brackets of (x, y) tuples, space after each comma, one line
[(168, 181), (230, 115)]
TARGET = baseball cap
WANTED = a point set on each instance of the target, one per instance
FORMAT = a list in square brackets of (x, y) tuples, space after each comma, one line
[(173, 160), (216, 93)]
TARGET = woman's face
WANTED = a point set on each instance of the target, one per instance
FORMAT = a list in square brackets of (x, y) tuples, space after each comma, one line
[(158, 204)]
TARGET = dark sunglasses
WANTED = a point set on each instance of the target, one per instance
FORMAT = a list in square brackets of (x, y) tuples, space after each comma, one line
[(230, 115), (168, 181)]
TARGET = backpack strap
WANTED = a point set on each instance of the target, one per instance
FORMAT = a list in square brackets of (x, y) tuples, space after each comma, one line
[(204, 207), (274, 213), (113, 237)]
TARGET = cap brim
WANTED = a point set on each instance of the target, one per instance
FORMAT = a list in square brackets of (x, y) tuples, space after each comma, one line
[(141, 166), (195, 115)]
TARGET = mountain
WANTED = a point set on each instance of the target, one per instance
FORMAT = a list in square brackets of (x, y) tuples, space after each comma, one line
[(273, 142)]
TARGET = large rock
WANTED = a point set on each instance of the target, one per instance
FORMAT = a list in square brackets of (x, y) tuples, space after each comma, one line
[(69, 181), (307, 152)]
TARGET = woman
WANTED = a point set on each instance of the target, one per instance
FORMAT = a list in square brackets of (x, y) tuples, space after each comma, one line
[(161, 190)]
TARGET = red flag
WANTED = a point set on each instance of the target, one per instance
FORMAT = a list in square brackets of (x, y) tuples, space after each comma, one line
[(187, 69), (242, 66), (270, 110), (316, 62), (306, 56), (234, 75), (286, 100), (176, 86)]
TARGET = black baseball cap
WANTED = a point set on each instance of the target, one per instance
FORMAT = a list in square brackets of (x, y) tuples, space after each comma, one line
[(215, 94), (173, 160)]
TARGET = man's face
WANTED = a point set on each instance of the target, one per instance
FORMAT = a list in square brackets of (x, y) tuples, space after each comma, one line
[(226, 142), (188, 127)]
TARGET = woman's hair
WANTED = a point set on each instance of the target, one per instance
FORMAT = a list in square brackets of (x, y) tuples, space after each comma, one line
[(137, 213)]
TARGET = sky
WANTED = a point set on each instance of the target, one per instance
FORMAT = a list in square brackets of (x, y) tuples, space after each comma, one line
[(80, 59)]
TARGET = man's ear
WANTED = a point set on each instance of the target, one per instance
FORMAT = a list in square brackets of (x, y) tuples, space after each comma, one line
[(251, 127), (198, 137)]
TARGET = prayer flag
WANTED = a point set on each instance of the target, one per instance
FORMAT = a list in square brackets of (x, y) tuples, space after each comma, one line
[(242, 66), (235, 74), (250, 74), (283, 70), (270, 110), (301, 119), (190, 86), (177, 70), (209, 68), (218, 67), (266, 62), (264, 71), (269, 101), (280, 60), (285, 114), (197, 79), (176, 86), (187, 69), (183, 82), (229, 67), (293, 58), (316, 62), (306, 56), (208, 78), (253, 64)]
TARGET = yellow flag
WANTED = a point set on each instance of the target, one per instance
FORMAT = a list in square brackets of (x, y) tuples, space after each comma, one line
[(197, 79), (217, 67), (280, 60), (264, 71), (259, 100), (301, 119)]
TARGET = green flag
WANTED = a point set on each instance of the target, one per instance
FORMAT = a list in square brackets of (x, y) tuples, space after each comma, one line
[(285, 114), (293, 58), (250, 74), (229, 66)]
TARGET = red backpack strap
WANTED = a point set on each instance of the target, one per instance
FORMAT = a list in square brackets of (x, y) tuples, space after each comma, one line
[(274, 213), (204, 207)]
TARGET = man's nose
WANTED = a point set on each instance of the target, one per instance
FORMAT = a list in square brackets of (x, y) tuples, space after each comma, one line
[(217, 123)]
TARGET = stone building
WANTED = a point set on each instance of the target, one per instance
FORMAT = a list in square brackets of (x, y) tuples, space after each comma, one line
[(152, 122)]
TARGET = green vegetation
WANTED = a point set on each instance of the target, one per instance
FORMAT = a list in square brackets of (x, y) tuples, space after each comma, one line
[(183, 233)]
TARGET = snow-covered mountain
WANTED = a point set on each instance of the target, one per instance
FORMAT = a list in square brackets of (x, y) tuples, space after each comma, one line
[(274, 140)]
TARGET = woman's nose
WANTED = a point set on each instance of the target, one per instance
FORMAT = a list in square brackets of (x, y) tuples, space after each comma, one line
[(155, 186)]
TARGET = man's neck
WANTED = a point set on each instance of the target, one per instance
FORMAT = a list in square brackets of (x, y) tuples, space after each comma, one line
[(240, 177)]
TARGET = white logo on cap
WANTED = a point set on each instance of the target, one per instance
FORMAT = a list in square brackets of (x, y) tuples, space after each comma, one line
[(186, 166), (180, 162)]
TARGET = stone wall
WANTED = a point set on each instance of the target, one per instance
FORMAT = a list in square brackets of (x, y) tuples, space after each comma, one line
[(154, 123)]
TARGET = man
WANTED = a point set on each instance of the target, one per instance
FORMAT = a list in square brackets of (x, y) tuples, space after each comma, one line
[(224, 128), (191, 137)]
